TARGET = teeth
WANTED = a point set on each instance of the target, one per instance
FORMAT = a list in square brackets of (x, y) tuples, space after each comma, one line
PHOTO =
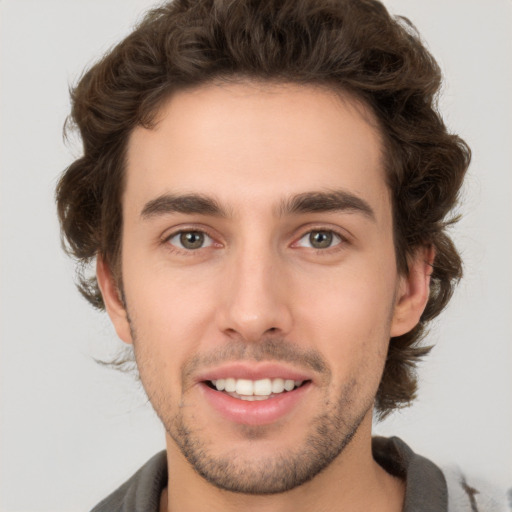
[(244, 387), (230, 385), (262, 387), (253, 398), (289, 384), (255, 389), (277, 386)]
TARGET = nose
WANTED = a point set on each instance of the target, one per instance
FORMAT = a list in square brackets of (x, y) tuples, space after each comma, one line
[(255, 297)]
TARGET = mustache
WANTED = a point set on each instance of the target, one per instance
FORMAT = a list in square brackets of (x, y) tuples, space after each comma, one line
[(268, 349)]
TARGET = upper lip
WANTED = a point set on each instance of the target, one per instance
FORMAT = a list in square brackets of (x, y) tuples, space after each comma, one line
[(254, 371)]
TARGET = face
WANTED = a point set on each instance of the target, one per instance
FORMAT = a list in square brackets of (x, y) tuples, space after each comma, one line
[(259, 278)]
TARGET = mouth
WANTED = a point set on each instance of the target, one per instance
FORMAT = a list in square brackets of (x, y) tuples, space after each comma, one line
[(256, 396), (256, 393), (255, 390)]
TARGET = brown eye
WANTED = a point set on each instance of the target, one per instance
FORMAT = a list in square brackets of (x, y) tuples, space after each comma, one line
[(190, 240), (321, 239)]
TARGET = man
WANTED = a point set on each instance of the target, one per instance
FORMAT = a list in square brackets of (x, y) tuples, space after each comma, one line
[(265, 189)]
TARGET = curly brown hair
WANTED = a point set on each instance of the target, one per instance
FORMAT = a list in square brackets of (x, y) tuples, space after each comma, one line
[(352, 46)]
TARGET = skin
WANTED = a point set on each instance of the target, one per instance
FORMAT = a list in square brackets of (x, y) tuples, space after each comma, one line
[(257, 290)]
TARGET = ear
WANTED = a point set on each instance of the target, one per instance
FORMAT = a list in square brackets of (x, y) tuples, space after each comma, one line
[(112, 298), (413, 291)]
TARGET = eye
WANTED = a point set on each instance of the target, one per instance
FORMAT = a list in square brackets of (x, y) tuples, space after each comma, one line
[(320, 239), (190, 240)]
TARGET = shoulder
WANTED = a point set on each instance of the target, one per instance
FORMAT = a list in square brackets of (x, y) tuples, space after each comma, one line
[(142, 491), (432, 488), (474, 494)]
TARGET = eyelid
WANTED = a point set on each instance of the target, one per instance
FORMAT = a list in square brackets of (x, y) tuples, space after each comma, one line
[(343, 237), (177, 231)]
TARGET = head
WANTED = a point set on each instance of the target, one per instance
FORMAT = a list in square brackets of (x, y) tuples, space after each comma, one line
[(349, 55)]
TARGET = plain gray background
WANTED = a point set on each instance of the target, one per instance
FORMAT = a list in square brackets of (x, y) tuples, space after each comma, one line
[(72, 431)]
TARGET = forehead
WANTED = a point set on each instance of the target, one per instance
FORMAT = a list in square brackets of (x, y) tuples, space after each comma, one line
[(251, 143)]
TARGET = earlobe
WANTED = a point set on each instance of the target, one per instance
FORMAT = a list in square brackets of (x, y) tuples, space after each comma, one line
[(413, 292), (111, 297)]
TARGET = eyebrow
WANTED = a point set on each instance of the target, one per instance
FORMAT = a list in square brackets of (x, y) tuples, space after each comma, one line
[(307, 202), (188, 203), (330, 201)]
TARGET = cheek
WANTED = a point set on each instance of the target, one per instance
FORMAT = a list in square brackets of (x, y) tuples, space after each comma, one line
[(348, 316), (169, 314)]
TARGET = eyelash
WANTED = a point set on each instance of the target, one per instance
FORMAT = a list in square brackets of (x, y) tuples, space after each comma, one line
[(339, 245), (183, 251)]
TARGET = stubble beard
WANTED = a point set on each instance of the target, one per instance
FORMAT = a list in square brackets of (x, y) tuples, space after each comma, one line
[(327, 435)]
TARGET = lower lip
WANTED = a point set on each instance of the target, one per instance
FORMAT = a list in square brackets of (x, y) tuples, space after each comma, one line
[(257, 412)]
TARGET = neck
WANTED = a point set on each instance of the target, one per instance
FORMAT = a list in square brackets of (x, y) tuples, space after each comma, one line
[(353, 482)]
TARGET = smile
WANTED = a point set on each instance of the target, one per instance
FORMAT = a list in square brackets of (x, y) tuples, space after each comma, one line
[(256, 393), (252, 390)]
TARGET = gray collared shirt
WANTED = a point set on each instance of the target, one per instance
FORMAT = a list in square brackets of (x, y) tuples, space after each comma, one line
[(426, 489)]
